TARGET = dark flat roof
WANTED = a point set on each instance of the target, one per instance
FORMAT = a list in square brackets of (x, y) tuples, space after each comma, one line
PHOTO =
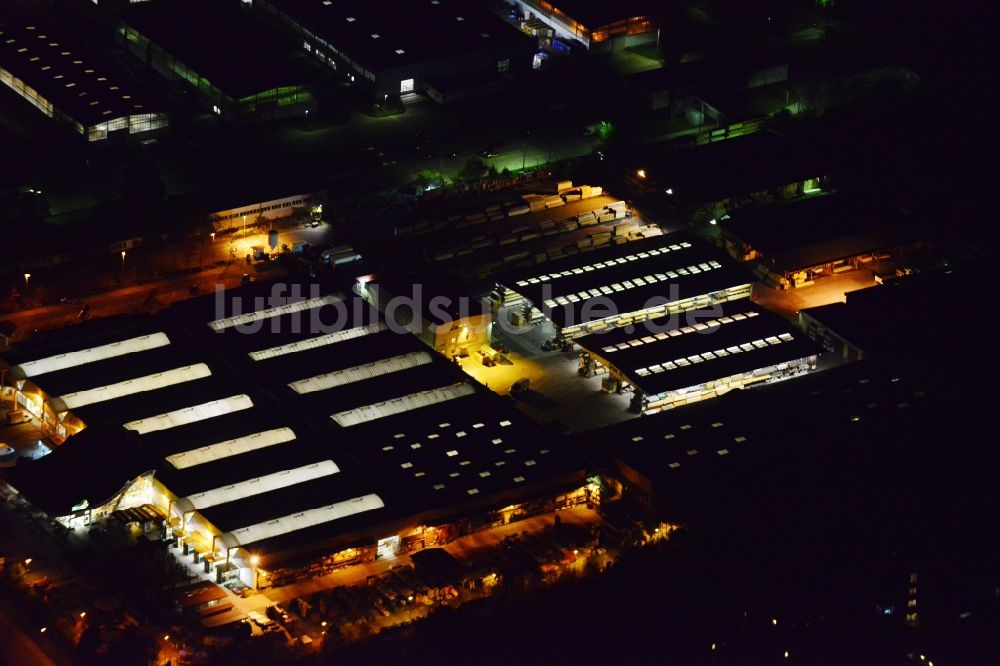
[(732, 168), (66, 75), (864, 319), (649, 257), (373, 33), (820, 229), (448, 299), (219, 41), (733, 324), (463, 450)]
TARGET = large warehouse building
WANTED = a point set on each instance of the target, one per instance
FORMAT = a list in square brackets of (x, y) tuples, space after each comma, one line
[(683, 359), (65, 83), (791, 244), (707, 182), (236, 66), (626, 284), (278, 439), (398, 47)]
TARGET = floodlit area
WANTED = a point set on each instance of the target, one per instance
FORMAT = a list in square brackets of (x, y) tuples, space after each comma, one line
[(557, 393), (830, 289)]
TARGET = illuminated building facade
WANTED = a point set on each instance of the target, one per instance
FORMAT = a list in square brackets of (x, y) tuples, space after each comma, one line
[(595, 24), (60, 80)]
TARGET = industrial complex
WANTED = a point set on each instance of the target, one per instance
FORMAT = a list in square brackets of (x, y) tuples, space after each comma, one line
[(259, 442)]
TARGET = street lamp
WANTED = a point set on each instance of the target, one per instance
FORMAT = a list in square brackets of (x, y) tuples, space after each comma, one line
[(213, 237), (244, 225), (27, 276), (123, 260), (641, 173), (254, 561)]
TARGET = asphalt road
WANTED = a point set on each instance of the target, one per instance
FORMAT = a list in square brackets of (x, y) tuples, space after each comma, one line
[(148, 296)]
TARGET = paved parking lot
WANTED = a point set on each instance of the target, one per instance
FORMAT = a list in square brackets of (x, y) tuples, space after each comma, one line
[(23, 438), (826, 290), (557, 392)]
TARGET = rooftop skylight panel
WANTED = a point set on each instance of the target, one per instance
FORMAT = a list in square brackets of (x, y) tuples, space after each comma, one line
[(93, 355), (230, 448), (318, 341), (359, 373), (262, 484), (300, 521), (191, 414), (268, 313), (131, 387), (401, 405)]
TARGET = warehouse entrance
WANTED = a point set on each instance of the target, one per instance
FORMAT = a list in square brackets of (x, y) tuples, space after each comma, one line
[(388, 547)]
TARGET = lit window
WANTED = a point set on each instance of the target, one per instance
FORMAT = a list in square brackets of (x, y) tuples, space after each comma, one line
[(351, 19), (452, 454), (459, 18), (375, 35), (400, 51)]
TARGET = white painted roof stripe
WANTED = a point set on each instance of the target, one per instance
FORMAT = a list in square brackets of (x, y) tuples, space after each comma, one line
[(93, 355), (277, 311), (191, 414), (402, 404), (231, 447), (318, 341), (360, 372), (654, 252), (261, 484), (152, 382), (300, 521)]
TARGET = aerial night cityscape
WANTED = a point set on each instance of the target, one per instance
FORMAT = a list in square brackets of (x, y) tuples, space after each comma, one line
[(497, 332)]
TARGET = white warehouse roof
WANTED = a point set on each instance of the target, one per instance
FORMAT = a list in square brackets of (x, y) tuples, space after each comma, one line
[(268, 313), (318, 341), (152, 382), (191, 414), (93, 355), (402, 404), (360, 372), (231, 447), (257, 486)]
